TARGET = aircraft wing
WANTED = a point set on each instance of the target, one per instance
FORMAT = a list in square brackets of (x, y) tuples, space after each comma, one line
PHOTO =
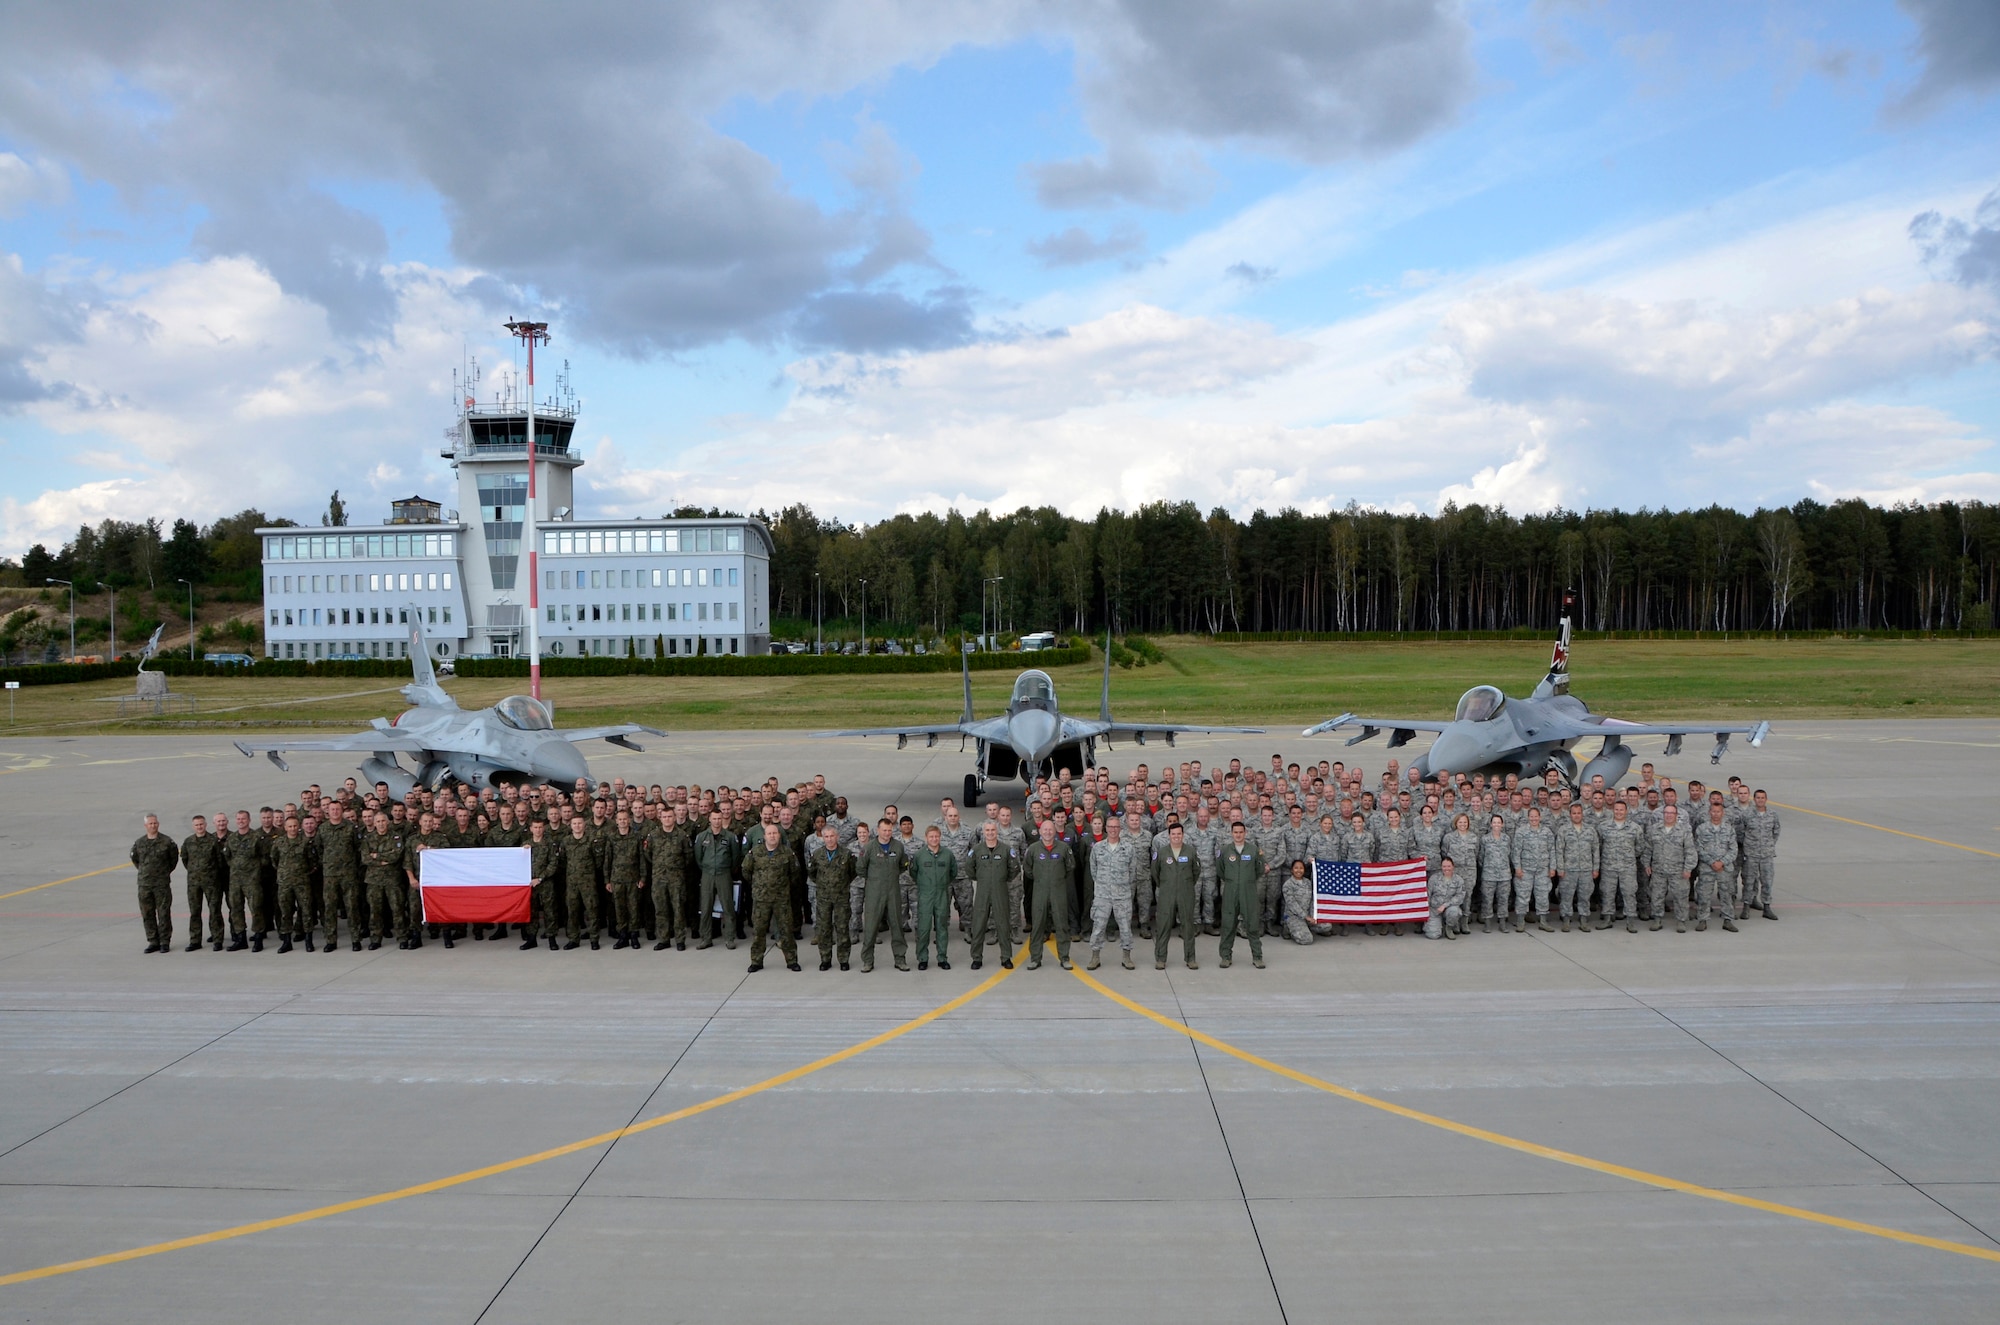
[(992, 729), (1078, 729), (610, 733), (359, 743), (1567, 728), (1370, 726)]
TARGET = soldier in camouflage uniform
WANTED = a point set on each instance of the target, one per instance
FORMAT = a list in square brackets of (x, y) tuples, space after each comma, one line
[(769, 868), (624, 854), (1757, 836), (1619, 843), (831, 867), (339, 842), (993, 865), (1461, 844), (672, 851), (245, 849), (1534, 855), (545, 867), (382, 877), (1015, 839), (580, 880), (1114, 863), (1298, 923), (1204, 840), (154, 855), (1715, 880), (207, 867), (292, 855), (1669, 858), (1576, 865)]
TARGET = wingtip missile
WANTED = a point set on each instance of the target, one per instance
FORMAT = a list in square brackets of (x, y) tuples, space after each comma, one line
[(1757, 736), (1328, 725)]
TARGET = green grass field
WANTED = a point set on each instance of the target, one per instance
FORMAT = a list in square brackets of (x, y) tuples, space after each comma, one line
[(1268, 684)]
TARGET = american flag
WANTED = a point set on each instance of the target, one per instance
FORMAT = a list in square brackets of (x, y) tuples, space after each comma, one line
[(1346, 892)]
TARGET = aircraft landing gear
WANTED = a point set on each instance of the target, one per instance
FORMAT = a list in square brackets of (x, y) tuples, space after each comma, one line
[(971, 789)]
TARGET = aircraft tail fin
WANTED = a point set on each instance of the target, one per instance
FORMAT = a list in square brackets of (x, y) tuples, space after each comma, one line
[(1104, 703), (1557, 680), (965, 665), (423, 689)]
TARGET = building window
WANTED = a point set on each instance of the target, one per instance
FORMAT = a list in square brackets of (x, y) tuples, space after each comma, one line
[(704, 611), (735, 544), (374, 584), (447, 616), (733, 643), (565, 613), (433, 616), (671, 579), (732, 611), (656, 611), (701, 576), (656, 542), (624, 579), (732, 577), (597, 579), (447, 579), (656, 578), (552, 614), (548, 579), (434, 580)]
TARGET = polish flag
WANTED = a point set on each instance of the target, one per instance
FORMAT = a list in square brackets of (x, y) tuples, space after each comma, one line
[(475, 885)]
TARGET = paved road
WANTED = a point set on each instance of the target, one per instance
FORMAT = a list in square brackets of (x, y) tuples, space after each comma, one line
[(1039, 1148)]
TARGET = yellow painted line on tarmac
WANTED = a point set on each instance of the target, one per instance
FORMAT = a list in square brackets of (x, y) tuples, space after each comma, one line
[(1532, 1148), (71, 879), (1919, 837), (508, 1166)]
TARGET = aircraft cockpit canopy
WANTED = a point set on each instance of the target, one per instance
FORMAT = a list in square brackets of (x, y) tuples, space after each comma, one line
[(524, 713), (1480, 703), (1034, 690)]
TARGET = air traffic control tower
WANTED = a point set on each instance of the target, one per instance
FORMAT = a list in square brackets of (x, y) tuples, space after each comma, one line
[(488, 449)]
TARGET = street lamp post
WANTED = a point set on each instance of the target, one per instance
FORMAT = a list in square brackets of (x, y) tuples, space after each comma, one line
[(190, 586), (114, 625), (72, 615), (531, 334), (864, 616), (988, 642), (819, 645)]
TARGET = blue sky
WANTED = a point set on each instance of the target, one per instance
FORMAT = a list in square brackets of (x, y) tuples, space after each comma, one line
[(885, 257)]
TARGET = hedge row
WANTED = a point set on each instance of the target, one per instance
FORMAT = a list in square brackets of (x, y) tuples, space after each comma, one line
[(802, 664), (831, 664), (1548, 635)]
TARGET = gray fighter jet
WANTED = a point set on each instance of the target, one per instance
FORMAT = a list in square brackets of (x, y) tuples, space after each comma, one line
[(514, 741), (1493, 733), (1033, 737)]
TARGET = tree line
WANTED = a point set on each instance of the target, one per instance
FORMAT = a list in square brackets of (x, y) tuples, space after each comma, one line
[(1166, 568)]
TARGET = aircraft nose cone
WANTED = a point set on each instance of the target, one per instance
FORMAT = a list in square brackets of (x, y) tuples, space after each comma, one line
[(1033, 734), (1455, 752), (561, 763)]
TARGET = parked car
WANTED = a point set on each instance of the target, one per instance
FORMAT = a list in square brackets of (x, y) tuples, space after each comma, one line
[(230, 659)]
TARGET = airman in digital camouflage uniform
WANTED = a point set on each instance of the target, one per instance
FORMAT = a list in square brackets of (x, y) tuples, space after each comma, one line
[(769, 868), (1496, 874), (1757, 837), (154, 855), (1669, 860), (1618, 846), (1576, 868), (1715, 880), (207, 869), (1448, 892), (1114, 863), (1534, 868)]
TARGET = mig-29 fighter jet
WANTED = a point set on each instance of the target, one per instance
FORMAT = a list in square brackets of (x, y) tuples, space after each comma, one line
[(1492, 732), (1033, 736), (514, 741)]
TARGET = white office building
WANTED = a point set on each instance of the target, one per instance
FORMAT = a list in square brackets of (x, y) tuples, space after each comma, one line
[(609, 587)]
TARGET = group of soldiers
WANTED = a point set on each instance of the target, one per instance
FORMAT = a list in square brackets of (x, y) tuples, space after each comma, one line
[(1226, 852)]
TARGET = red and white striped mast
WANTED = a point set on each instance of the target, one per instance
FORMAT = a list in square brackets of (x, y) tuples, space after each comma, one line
[(532, 334)]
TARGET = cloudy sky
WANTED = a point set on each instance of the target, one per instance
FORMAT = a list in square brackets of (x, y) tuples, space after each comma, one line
[(886, 255)]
